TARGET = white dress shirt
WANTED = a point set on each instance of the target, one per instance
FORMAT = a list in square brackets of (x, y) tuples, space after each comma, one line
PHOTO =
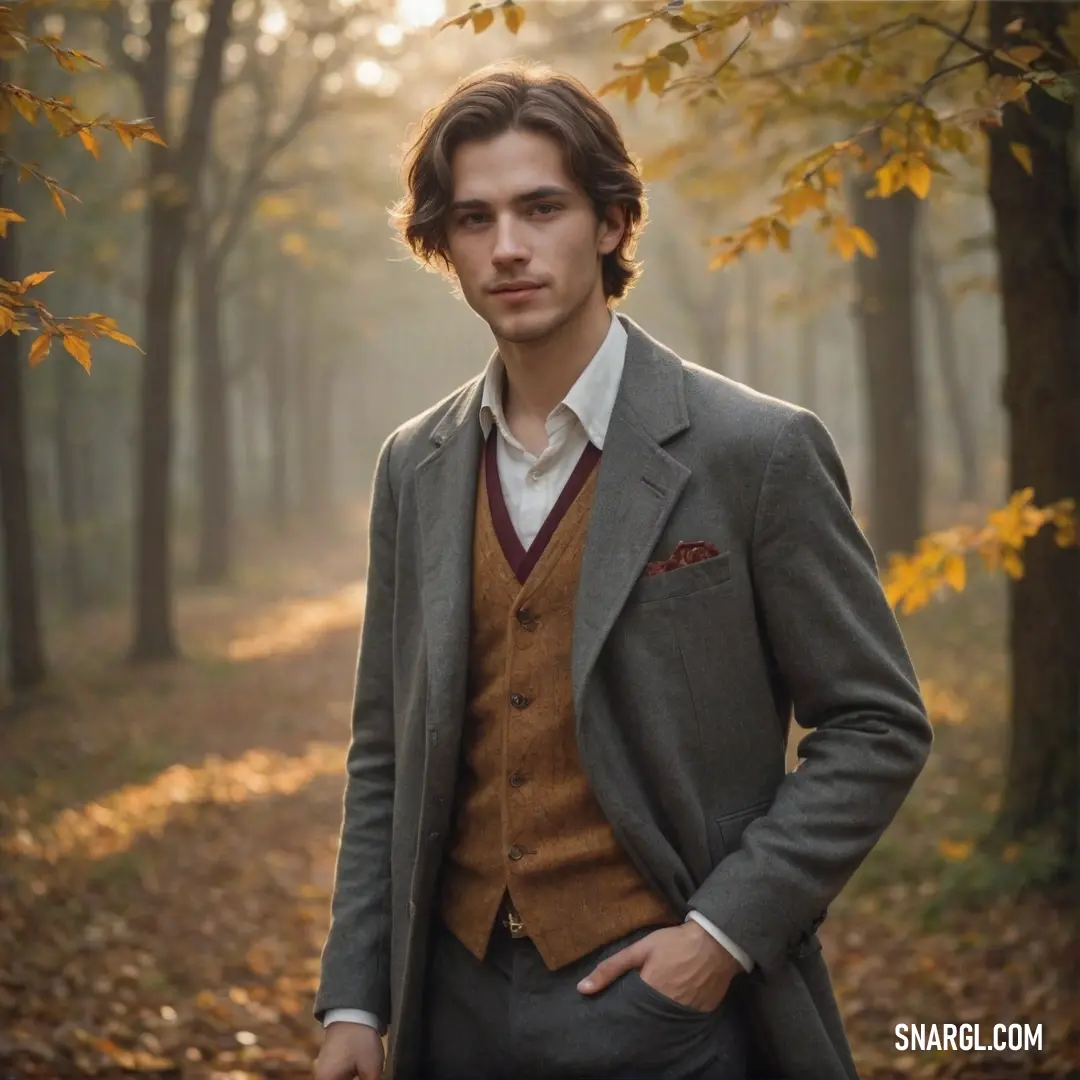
[(531, 485)]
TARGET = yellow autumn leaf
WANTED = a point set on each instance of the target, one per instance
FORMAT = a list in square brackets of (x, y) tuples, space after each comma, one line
[(7, 216), (60, 118), (864, 241), (781, 234), (657, 71), (86, 137), (889, 177), (797, 200), (26, 107), (1022, 154), (956, 572), (108, 328), (513, 16), (123, 339), (40, 348), (847, 239), (917, 596), (31, 280), (79, 348), (631, 30), (1065, 535), (725, 258), (1012, 564), (149, 133), (124, 132), (918, 175), (956, 850), (482, 19)]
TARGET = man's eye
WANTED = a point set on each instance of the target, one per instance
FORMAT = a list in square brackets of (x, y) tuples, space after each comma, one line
[(545, 209)]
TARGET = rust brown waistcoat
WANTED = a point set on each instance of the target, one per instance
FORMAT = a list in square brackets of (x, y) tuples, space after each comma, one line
[(526, 820)]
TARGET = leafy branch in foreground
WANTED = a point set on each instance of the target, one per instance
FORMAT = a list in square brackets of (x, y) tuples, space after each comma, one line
[(941, 559), (20, 312)]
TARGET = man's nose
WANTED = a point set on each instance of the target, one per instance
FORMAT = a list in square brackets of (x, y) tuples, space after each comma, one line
[(510, 244)]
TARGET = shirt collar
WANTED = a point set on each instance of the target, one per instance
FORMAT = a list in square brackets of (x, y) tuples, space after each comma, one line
[(591, 399)]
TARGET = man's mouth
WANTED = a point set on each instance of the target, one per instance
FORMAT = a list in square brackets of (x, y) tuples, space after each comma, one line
[(518, 291)]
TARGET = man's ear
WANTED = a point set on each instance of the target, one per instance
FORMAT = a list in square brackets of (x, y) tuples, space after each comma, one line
[(611, 229)]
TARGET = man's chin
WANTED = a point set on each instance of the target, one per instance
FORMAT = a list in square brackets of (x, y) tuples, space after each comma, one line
[(524, 327)]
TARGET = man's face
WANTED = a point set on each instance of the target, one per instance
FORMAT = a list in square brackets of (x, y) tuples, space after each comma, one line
[(523, 238)]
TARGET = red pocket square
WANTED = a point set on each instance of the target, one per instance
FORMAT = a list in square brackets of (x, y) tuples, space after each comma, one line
[(686, 552)]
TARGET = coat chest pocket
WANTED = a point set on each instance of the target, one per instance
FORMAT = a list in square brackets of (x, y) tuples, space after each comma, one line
[(692, 578)]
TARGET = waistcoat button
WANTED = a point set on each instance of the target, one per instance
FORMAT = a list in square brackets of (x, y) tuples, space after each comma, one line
[(526, 618), (519, 701), (516, 779), (515, 852)]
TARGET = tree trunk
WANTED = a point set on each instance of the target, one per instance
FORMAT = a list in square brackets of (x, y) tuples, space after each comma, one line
[(66, 429), (213, 445), (807, 361), (1036, 227), (173, 180), (711, 321), (26, 652), (885, 314), (807, 335), (303, 376), (704, 296), (755, 362), (956, 401), (154, 637), (323, 430), (276, 369)]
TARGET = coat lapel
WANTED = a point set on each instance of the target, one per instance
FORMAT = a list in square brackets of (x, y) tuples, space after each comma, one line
[(637, 487), (446, 505)]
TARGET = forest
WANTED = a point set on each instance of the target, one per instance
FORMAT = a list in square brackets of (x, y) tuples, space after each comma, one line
[(208, 329)]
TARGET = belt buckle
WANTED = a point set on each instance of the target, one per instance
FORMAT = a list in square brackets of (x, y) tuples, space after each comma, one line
[(513, 923)]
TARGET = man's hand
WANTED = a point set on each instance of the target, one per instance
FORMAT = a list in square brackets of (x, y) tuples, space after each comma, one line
[(685, 963), (350, 1051)]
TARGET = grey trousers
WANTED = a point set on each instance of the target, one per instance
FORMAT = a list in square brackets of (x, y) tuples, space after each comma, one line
[(509, 1018)]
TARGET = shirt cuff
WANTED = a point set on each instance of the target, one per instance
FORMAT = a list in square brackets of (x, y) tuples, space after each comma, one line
[(720, 936), (352, 1016)]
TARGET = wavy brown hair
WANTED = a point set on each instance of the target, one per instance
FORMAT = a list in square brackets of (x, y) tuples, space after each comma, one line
[(521, 97)]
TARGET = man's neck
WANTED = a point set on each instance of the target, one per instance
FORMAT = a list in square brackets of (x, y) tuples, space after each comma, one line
[(539, 374)]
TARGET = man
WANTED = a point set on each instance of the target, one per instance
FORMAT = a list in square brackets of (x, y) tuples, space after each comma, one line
[(601, 580)]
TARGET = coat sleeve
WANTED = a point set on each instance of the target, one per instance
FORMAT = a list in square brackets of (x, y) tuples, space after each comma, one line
[(844, 663), (355, 966)]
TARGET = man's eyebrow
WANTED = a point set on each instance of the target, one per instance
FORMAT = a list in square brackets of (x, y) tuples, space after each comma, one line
[(547, 192)]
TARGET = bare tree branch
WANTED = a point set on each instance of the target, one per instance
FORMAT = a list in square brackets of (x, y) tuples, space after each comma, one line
[(265, 148), (206, 89)]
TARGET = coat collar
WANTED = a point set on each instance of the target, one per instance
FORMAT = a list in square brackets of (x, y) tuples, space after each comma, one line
[(650, 391)]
